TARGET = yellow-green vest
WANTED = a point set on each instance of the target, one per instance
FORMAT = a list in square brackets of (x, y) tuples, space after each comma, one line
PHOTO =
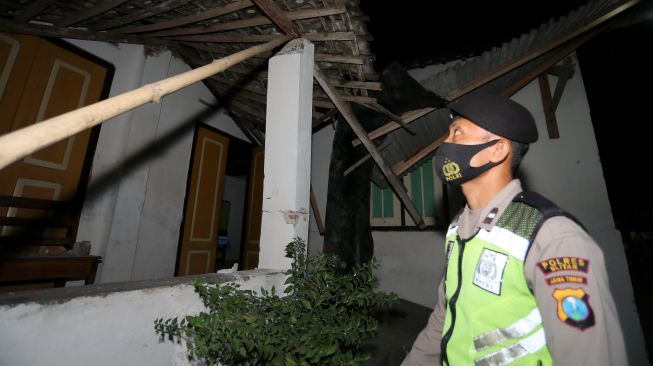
[(492, 316)]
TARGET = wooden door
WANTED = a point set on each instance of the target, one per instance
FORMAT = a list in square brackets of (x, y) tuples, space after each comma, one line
[(39, 80), (254, 207), (201, 222)]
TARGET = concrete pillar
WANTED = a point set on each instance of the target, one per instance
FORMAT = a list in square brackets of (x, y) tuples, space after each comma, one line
[(286, 186)]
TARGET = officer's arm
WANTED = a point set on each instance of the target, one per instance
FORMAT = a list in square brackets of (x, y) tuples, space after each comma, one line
[(426, 349), (566, 271)]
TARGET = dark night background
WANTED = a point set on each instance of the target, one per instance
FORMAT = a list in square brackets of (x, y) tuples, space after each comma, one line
[(616, 67)]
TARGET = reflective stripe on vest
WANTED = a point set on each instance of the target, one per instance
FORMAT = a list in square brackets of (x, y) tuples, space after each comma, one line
[(514, 352), (514, 244), (516, 330)]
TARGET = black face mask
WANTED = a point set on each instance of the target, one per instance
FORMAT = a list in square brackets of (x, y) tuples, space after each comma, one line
[(452, 162)]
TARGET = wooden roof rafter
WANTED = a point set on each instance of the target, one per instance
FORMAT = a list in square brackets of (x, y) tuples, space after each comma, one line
[(277, 16), (214, 29), (190, 19)]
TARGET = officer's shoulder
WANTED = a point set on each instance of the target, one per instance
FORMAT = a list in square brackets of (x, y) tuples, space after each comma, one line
[(555, 221), (563, 235), (561, 225), (547, 208)]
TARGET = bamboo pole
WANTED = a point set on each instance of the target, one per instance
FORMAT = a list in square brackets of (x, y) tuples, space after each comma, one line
[(21, 143)]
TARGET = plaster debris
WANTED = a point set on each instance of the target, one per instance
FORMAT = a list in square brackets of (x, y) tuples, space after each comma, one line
[(291, 217)]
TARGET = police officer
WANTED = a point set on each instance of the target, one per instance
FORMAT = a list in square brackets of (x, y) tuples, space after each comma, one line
[(524, 283)]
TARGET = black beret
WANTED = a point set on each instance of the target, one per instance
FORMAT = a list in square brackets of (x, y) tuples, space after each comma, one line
[(497, 114)]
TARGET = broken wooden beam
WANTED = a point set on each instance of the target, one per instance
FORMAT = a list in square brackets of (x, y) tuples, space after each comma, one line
[(407, 117), (547, 104), (401, 167), (324, 120), (563, 78), (351, 119), (381, 109), (365, 158)]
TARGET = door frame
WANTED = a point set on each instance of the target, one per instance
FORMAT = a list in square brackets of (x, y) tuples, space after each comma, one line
[(247, 212), (198, 125)]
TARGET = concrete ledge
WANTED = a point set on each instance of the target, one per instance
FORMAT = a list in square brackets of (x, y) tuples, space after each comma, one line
[(64, 294), (109, 324)]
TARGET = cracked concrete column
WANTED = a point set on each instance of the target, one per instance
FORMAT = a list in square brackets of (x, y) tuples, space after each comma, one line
[(286, 186)]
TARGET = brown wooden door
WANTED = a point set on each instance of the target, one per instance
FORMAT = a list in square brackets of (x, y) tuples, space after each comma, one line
[(201, 222), (39, 80), (254, 207)]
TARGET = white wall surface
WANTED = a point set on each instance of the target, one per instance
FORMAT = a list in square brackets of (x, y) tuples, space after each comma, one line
[(320, 160), (133, 209), (234, 192), (106, 329), (97, 214)]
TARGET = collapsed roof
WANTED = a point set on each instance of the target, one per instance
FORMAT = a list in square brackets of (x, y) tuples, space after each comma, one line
[(202, 30)]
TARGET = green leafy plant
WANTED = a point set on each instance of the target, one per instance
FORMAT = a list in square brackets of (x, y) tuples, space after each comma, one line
[(324, 318)]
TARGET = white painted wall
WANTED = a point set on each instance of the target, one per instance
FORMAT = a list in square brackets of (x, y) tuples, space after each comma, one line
[(321, 146), (106, 329), (234, 192), (132, 212), (566, 170)]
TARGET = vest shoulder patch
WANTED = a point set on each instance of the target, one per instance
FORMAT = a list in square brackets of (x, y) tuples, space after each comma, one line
[(489, 271)]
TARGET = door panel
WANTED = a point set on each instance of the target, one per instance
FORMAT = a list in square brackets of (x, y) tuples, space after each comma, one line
[(203, 204), (40, 80), (254, 207), (59, 82), (17, 55)]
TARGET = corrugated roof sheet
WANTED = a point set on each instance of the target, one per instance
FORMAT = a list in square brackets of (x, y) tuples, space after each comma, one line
[(403, 145)]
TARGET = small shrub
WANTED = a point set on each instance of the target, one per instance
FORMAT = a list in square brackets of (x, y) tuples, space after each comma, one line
[(323, 319)]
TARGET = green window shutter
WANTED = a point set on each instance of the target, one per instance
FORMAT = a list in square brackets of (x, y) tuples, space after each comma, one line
[(429, 189), (416, 188), (388, 202), (377, 201)]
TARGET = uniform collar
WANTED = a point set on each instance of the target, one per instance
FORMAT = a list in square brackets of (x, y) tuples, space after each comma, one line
[(490, 214)]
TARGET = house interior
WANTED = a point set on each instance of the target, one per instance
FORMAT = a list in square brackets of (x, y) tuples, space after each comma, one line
[(174, 185)]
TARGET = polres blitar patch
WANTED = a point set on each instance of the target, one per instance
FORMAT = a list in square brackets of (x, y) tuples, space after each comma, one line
[(557, 264)]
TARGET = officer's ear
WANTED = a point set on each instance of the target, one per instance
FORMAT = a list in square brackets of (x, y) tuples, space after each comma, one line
[(500, 151)]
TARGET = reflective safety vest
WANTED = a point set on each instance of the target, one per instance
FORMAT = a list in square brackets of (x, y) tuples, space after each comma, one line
[(491, 314)]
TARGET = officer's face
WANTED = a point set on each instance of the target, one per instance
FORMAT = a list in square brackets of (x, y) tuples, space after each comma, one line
[(465, 132)]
